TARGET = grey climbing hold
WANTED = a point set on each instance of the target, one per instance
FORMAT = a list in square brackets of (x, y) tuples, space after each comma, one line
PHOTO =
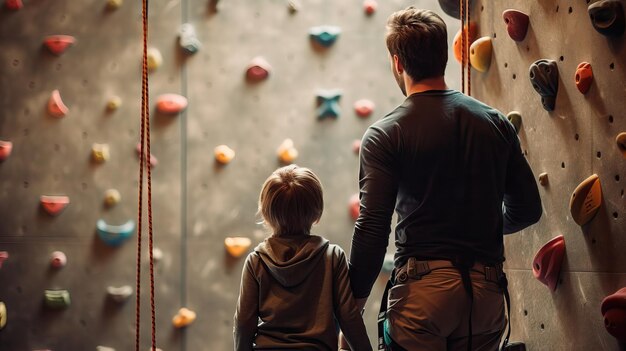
[(188, 39), (120, 294), (452, 8), (607, 17), (57, 298), (544, 76)]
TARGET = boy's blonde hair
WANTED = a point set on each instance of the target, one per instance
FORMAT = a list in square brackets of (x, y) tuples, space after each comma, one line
[(291, 200)]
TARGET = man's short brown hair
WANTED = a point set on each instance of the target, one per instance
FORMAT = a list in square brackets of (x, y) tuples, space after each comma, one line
[(420, 39), (291, 200)]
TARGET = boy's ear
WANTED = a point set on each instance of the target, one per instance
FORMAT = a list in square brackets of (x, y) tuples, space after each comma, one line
[(398, 65)]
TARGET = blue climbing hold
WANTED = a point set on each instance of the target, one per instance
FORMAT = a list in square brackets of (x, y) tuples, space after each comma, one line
[(115, 235), (325, 35), (328, 103)]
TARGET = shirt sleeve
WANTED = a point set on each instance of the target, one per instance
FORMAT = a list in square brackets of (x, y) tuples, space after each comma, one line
[(522, 203), (246, 315), (378, 182), (346, 310)]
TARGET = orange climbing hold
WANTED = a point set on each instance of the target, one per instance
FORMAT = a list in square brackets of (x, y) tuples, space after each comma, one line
[(183, 318), (237, 246), (57, 44), (584, 77), (586, 200), (287, 153), (56, 107), (171, 103), (53, 205), (621, 143), (473, 33), (5, 149), (548, 260), (224, 154)]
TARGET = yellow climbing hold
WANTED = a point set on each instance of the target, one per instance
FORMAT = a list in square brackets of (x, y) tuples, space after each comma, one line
[(100, 152), (114, 103), (155, 59), (3, 315), (237, 246), (480, 54), (586, 200)]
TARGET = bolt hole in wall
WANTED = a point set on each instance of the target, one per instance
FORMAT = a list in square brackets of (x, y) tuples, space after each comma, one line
[(612, 66), (16, 63), (542, 326), (506, 65), (561, 58), (562, 164), (610, 119), (599, 154), (576, 136), (617, 177), (557, 8), (615, 215), (570, 10), (514, 76), (525, 313)]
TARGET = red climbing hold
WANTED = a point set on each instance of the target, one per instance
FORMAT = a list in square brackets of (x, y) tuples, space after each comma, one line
[(584, 77), (614, 311), (13, 4), (258, 69), (369, 6), (364, 108), (57, 44), (355, 205), (548, 260), (171, 103), (5, 149), (56, 107), (3, 257), (54, 204), (516, 24)]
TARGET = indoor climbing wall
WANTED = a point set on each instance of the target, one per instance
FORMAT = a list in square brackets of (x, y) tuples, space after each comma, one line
[(566, 139), (253, 73)]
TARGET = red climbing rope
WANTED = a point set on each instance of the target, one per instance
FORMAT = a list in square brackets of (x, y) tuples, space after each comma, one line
[(463, 51), (467, 42), (144, 163)]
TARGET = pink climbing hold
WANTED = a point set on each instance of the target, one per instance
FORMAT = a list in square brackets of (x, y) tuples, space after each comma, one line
[(369, 6), (56, 107), (13, 4), (171, 103), (356, 146), (613, 309), (364, 108), (57, 44), (5, 149), (258, 69), (153, 160), (3, 257), (548, 260), (54, 204), (355, 205), (58, 259)]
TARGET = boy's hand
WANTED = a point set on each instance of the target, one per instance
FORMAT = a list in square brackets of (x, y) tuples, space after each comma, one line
[(343, 344)]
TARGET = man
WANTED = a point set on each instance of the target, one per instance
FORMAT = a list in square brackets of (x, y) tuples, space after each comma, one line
[(453, 170)]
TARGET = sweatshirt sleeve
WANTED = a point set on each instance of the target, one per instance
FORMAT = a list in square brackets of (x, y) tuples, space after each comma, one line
[(378, 190), (522, 204), (246, 314), (346, 310)]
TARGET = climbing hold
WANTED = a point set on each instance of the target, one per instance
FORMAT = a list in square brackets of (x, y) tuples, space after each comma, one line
[(293, 6), (543, 179), (104, 348), (188, 40), (480, 54), (54, 204), (171, 103), (452, 8), (224, 154), (388, 264), (621, 143), (369, 6), (119, 294), (5, 149), (115, 235), (57, 298), (364, 107), (584, 76), (56, 107), (354, 205), (516, 120), (114, 103), (13, 4), (258, 69), (356, 146), (458, 43), (153, 160), (607, 17), (157, 254), (183, 318), (237, 246), (547, 262), (544, 76), (324, 35), (114, 4), (58, 259), (516, 24), (57, 44), (155, 59), (3, 315), (100, 152), (613, 309), (287, 153), (112, 197), (4, 255), (328, 103), (586, 200)]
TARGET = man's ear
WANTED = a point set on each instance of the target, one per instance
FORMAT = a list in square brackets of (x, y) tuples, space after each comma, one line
[(397, 64)]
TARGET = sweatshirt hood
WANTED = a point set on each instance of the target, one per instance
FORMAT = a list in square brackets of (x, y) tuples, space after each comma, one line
[(291, 260)]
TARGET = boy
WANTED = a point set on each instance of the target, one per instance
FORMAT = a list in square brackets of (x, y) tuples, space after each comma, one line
[(295, 285)]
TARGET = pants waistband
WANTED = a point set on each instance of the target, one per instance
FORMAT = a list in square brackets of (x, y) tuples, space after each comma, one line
[(415, 269)]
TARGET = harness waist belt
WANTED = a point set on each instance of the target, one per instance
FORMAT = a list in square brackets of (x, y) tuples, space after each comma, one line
[(415, 269)]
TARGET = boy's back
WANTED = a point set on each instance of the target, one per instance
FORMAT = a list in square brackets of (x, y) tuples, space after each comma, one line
[(297, 286)]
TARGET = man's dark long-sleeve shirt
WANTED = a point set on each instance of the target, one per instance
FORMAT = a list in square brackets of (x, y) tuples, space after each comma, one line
[(453, 169)]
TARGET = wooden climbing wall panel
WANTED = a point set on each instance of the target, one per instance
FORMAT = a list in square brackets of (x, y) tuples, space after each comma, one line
[(196, 202), (572, 142)]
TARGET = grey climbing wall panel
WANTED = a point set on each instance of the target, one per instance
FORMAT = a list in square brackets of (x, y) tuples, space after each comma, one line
[(196, 203), (572, 142)]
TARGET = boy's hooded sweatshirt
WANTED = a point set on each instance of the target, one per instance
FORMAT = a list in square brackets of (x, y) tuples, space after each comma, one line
[(293, 289)]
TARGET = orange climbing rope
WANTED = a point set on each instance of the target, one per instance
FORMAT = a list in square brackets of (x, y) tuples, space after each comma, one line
[(144, 163)]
